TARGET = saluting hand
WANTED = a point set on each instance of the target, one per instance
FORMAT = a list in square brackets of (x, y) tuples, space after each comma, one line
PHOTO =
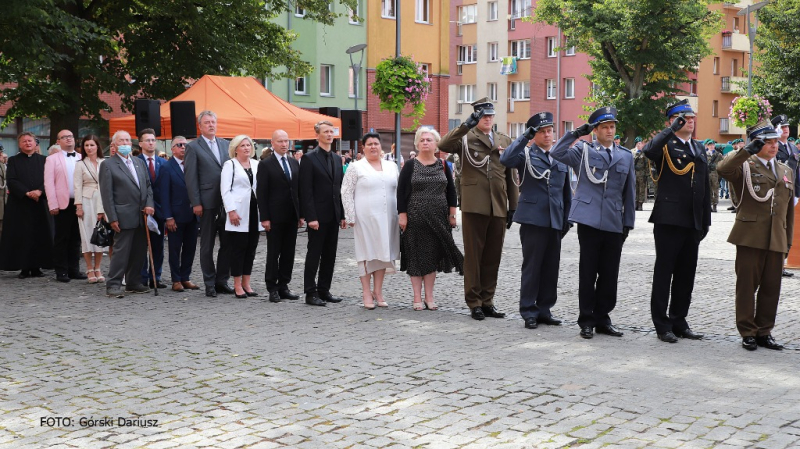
[(584, 130), (678, 123), (473, 119)]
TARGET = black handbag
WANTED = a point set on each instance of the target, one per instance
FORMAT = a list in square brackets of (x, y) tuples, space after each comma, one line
[(102, 234)]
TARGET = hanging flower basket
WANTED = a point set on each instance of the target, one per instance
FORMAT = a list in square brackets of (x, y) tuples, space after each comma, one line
[(747, 111), (401, 82)]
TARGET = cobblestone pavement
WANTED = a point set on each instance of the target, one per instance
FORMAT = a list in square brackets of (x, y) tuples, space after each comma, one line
[(247, 373)]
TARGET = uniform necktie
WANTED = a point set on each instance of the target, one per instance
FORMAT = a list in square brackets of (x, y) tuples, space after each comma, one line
[(547, 155), (152, 169), (608, 150), (286, 168), (491, 138), (771, 167)]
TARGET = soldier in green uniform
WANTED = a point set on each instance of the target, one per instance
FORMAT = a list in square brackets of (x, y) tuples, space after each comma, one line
[(456, 161), (640, 165), (713, 156)]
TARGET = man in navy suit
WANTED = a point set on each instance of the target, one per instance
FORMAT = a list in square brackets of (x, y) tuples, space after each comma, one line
[(279, 207), (321, 205), (542, 213), (173, 198), (147, 142), (603, 207)]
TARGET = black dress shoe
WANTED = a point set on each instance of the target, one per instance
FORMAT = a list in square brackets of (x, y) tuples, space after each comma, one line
[(37, 273), (251, 294), (492, 312), (313, 300), (224, 288), (587, 332), (211, 292), (749, 343), (158, 284), (549, 320), (63, 277), (787, 274), (477, 313), (766, 341), (608, 329), (668, 337), (136, 288), (24, 274), (688, 333), (77, 275), (274, 297), (530, 323), (287, 294), (327, 297), (731, 208)]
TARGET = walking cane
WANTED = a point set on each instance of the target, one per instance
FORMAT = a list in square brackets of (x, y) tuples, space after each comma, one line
[(150, 252)]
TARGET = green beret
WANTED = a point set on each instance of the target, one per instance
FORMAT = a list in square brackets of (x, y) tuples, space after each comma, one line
[(637, 139), (791, 139), (708, 141), (616, 136)]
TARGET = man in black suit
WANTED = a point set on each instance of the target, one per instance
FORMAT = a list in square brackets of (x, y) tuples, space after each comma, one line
[(321, 205), (279, 207), (681, 218), (203, 167)]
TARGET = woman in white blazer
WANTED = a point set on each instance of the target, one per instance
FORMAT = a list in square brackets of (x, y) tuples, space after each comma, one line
[(242, 224), (88, 205)]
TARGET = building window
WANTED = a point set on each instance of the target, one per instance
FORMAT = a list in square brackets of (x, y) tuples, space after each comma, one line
[(716, 66), (425, 68), (326, 80), (466, 93), (468, 14), (516, 129), (714, 108), (300, 85), (569, 87), (520, 8), (521, 49), (493, 52), (353, 13), (299, 12), (568, 126), (491, 89), (519, 90), (467, 54), (551, 89), (387, 9), (492, 15), (551, 47), (734, 67), (423, 11), (570, 51)]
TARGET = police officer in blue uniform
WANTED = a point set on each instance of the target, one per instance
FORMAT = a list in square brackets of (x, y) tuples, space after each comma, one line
[(542, 213), (603, 207), (681, 218)]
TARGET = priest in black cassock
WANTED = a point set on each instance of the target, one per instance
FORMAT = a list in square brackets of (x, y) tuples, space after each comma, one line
[(26, 243)]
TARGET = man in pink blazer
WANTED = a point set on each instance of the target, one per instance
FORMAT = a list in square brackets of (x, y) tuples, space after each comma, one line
[(59, 187)]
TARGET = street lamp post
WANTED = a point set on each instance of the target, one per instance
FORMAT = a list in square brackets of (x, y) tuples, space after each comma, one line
[(356, 68), (751, 34), (397, 124)]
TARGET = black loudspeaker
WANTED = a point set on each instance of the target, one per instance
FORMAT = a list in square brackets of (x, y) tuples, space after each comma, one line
[(330, 111), (351, 124), (148, 115), (182, 118)]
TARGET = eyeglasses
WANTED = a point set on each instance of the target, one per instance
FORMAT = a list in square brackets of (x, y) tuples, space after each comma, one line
[(66, 137), (182, 144), (149, 140)]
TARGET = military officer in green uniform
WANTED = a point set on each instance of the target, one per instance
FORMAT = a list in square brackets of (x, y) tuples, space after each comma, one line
[(456, 161), (489, 199), (713, 157), (641, 167)]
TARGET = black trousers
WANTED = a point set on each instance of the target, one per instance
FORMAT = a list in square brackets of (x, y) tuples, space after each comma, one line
[(676, 263), (281, 242), (321, 256), (67, 241), (541, 256), (598, 274), (182, 246), (210, 225), (243, 245)]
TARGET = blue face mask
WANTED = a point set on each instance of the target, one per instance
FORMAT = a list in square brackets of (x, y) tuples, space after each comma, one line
[(124, 150)]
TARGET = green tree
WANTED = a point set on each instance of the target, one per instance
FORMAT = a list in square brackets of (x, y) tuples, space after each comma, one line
[(59, 55), (641, 51), (777, 53)]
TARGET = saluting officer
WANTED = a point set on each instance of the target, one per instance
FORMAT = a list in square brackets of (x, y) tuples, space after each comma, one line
[(488, 202), (681, 218), (762, 232), (642, 173), (543, 210), (603, 207)]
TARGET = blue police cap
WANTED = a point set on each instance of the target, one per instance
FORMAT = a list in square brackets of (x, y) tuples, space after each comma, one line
[(780, 120), (540, 120), (681, 107), (763, 130), (602, 115)]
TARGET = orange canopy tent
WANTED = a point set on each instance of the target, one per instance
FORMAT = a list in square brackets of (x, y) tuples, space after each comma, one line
[(243, 106)]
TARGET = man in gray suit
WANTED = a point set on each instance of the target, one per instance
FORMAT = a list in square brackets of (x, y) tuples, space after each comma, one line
[(126, 192), (603, 207), (203, 167)]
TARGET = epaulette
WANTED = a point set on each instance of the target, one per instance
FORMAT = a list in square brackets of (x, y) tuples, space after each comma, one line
[(781, 162), (502, 134), (626, 149)]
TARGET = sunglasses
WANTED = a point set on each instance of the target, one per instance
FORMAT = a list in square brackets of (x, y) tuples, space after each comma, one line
[(178, 144)]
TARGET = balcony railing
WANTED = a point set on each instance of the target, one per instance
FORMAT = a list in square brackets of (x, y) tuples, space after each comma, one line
[(726, 84)]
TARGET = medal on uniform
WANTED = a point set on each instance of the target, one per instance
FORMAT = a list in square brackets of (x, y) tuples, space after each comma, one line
[(476, 154), (756, 188), (785, 181), (594, 169)]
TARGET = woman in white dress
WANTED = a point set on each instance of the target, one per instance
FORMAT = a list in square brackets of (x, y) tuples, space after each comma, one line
[(88, 205), (369, 197)]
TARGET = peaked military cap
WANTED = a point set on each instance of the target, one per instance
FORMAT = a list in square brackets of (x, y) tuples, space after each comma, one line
[(540, 120), (681, 107), (485, 105), (602, 115), (780, 120), (763, 130)]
